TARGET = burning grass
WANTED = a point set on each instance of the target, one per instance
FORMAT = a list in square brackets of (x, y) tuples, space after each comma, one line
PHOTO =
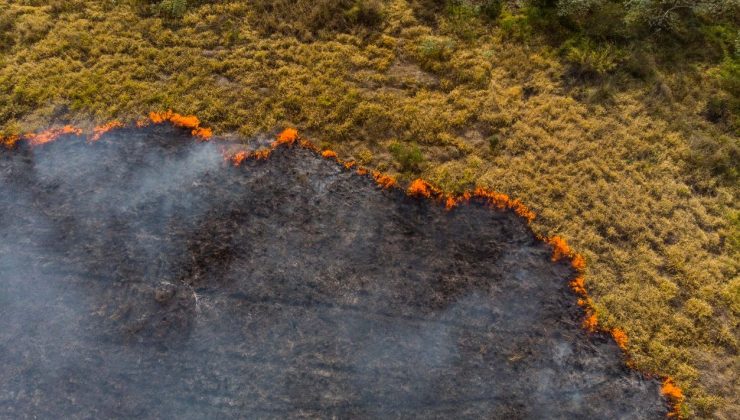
[(608, 167), (190, 122), (418, 188), (470, 221), (50, 135)]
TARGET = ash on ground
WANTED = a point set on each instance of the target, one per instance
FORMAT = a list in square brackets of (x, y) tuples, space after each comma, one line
[(142, 276)]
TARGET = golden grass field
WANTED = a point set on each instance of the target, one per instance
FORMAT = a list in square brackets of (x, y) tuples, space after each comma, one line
[(610, 168)]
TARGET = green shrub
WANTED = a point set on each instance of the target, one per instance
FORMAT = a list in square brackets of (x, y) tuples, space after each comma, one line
[(171, 8), (589, 59), (515, 26), (436, 48), (367, 13), (491, 9), (408, 157), (7, 25), (733, 236), (462, 17), (493, 143)]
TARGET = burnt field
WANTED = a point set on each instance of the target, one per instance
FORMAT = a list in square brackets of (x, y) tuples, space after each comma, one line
[(143, 276)]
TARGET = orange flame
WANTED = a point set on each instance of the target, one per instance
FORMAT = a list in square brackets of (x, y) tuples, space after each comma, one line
[(102, 129), (239, 158), (329, 154), (307, 145), (185, 121), (420, 188), (262, 154), (579, 263), (675, 396), (620, 337), (203, 133), (590, 323), (503, 201), (287, 136), (50, 135), (10, 142), (560, 248), (578, 286), (385, 181)]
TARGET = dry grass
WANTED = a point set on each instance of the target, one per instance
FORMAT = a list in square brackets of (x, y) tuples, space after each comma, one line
[(612, 176)]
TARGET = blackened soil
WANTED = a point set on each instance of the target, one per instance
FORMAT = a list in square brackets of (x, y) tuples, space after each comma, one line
[(141, 276)]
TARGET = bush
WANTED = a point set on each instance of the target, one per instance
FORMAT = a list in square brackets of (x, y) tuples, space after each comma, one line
[(515, 26), (409, 157), (461, 14), (648, 15), (491, 9), (436, 49), (588, 59), (365, 13), (465, 17), (171, 8)]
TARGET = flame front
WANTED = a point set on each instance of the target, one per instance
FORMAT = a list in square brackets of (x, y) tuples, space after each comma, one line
[(385, 181), (10, 142), (50, 135), (673, 393), (329, 154), (102, 129), (287, 136), (418, 188), (190, 122)]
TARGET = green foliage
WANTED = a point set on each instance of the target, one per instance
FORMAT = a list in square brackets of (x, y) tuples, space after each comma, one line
[(733, 237), (493, 143), (408, 156), (7, 24), (171, 8), (491, 9), (462, 17), (645, 16), (436, 48), (516, 26), (588, 59), (366, 13), (729, 75), (469, 9)]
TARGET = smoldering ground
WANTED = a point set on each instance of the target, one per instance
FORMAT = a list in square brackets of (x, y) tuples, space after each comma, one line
[(142, 276)]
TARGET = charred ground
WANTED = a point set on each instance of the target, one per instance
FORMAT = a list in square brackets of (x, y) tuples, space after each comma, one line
[(143, 276)]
